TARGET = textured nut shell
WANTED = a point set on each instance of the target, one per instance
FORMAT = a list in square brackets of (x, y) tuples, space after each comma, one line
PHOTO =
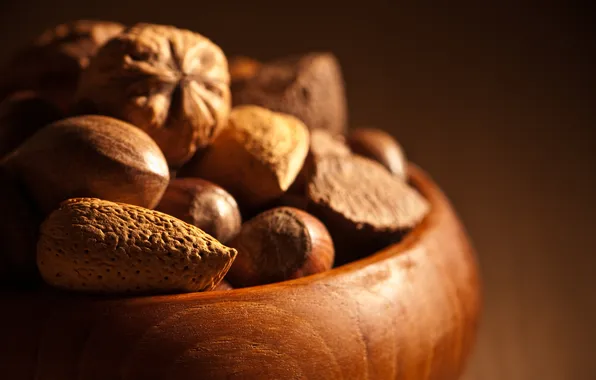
[(309, 87), (363, 205), (99, 246), (257, 157), (91, 156), (54, 61), (322, 143), (172, 83)]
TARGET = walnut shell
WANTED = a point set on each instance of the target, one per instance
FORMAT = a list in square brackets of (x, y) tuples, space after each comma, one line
[(53, 62), (172, 83)]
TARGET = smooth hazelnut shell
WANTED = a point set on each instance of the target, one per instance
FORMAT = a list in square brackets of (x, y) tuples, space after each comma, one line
[(91, 156), (204, 205), (21, 115), (380, 146), (280, 244)]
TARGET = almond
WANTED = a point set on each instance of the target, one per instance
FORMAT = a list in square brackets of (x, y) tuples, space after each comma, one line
[(97, 246)]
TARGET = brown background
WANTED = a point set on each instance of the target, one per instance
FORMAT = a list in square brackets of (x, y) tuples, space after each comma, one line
[(497, 103)]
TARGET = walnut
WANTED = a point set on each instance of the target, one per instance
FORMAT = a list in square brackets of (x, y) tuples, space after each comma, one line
[(172, 83), (53, 62)]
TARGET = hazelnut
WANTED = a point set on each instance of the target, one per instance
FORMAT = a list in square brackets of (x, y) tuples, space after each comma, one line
[(172, 83), (380, 146), (256, 157), (91, 156), (93, 245), (280, 244), (364, 206), (53, 62), (21, 115), (309, 87), (204, 205)]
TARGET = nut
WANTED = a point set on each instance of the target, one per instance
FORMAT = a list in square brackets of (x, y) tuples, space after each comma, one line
[(52, 64), (256, 158), (364, 206), (204, 205), (380, 146), (172, 83), (322, 144), (91, 156), (21, 115), (309, 87), (92, 245), (280, 244)]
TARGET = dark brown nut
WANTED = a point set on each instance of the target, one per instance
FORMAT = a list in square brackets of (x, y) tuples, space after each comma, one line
[(172, 83), (242, 68), (309, 87), (19, 225), (53, 62), (92, 245), (380, 146), (280, 244), (322, 144), (91, 156), (256, 157), (21, 115), (364, 206), (202, 204)]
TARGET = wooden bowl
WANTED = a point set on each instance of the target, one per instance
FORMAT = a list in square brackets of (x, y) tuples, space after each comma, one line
[(407, 312)]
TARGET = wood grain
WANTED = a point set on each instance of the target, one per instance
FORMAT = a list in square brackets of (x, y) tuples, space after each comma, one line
[(407, 312)]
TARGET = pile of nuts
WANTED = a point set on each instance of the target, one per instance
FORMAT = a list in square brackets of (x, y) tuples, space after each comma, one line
[(139, 160)]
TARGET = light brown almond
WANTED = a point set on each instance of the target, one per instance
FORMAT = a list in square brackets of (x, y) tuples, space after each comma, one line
[(97, 246)]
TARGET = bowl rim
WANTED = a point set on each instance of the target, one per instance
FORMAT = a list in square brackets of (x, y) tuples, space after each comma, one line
[(419, 179)]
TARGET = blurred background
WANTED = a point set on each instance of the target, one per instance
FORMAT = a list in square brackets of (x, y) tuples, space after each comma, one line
[(495, 102)]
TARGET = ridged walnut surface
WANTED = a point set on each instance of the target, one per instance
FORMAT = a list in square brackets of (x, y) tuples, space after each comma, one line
[(170, 82), (407, 312)]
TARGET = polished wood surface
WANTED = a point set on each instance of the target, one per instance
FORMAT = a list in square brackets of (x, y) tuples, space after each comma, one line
[(407, 312)]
